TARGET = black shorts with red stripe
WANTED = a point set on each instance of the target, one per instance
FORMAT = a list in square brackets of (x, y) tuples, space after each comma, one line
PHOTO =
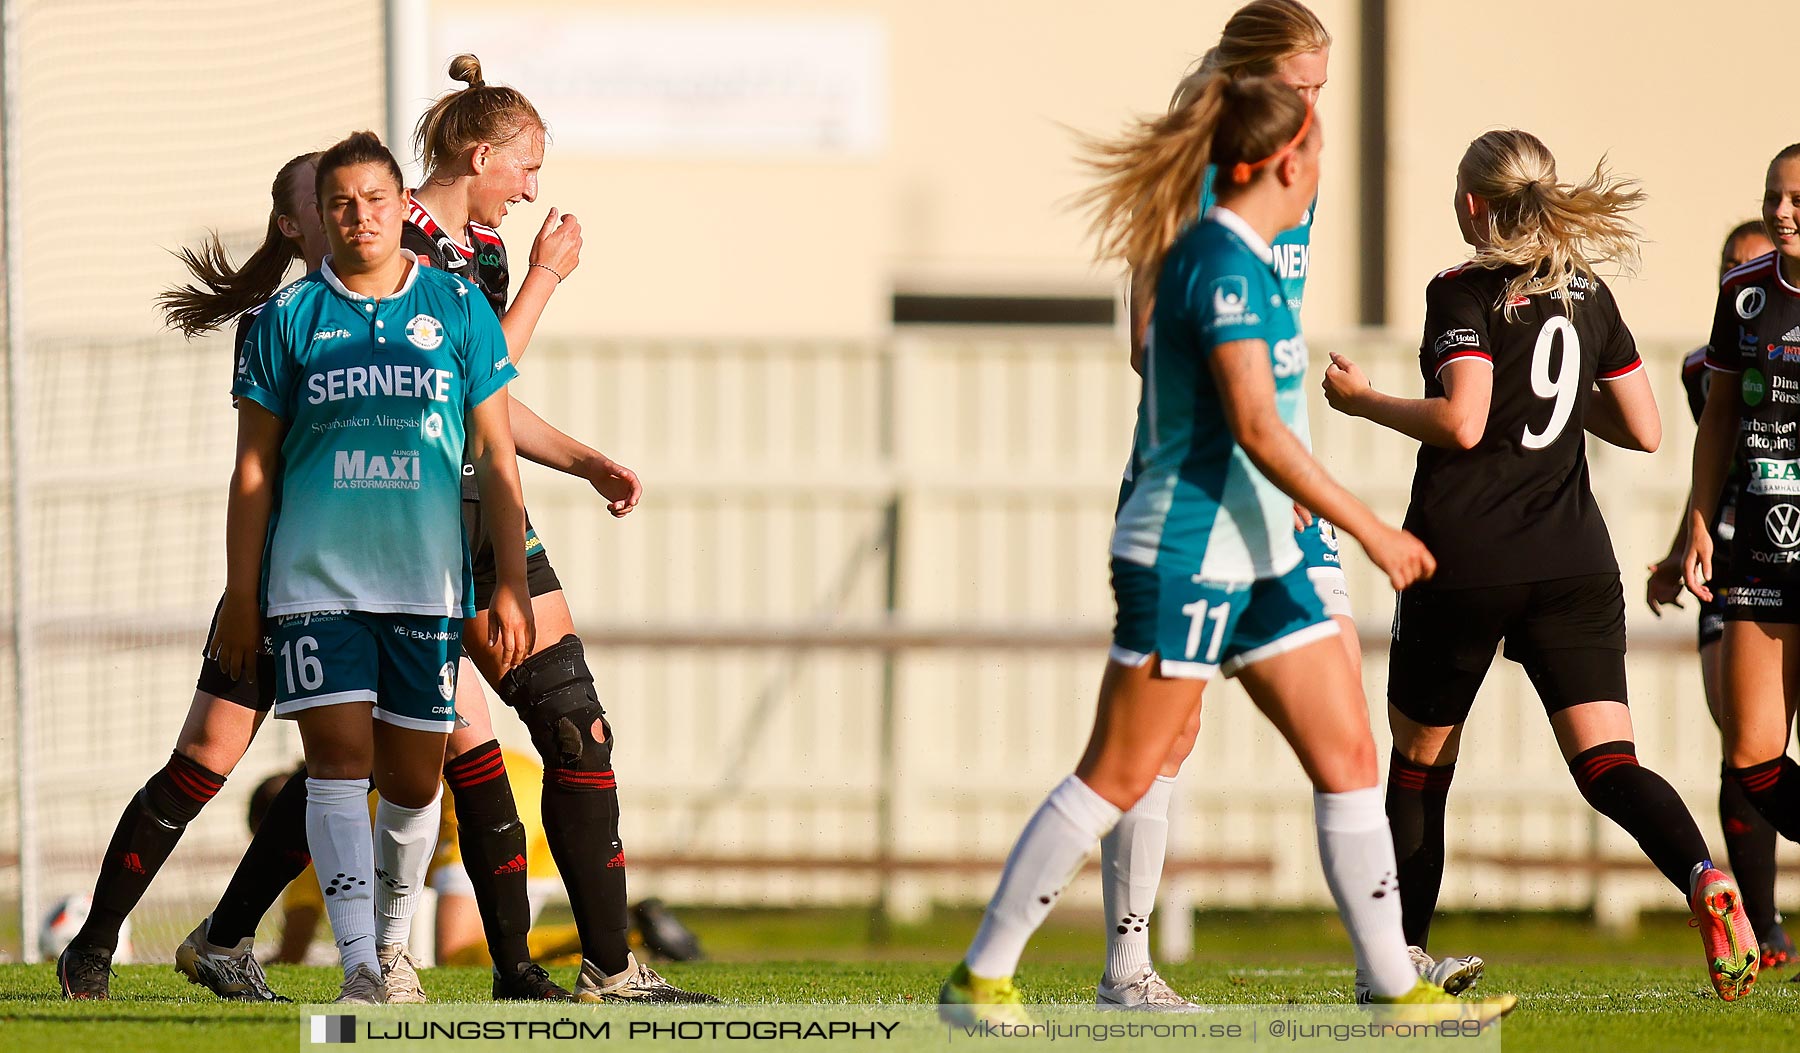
[(1568, 633)]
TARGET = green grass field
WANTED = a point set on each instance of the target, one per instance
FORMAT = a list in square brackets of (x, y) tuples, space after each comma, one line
[(1579, 987)]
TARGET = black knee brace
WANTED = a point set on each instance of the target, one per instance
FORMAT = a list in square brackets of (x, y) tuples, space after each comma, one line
[(553, 693)]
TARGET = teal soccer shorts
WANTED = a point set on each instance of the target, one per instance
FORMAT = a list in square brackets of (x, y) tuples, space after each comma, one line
[(1202, 628), (404, 663)]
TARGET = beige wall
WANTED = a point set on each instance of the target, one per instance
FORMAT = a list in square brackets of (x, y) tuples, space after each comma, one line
[(1678, 99), (970, 192)]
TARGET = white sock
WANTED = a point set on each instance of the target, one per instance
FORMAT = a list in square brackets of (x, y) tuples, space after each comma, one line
[(1131, 866), (405, 838), (1052, 848), (337, 834), (1358, 852)]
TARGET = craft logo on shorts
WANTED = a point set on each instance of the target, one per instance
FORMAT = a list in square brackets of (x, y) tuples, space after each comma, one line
[(425, 332), (1751, 301), (1328, 535), (434, 426), (1754, 386), (1231, 301), (1783, 525), (359, 470), (447, 681)]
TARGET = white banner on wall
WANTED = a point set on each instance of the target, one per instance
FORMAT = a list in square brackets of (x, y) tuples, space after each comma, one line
[(658, 85)]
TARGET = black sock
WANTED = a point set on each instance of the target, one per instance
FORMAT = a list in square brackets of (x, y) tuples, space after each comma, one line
[(276, 856), (1644, 805), (147, 832), (493, 850), (1415, 806), (1774, 788), (581, 822), (1750, 843)]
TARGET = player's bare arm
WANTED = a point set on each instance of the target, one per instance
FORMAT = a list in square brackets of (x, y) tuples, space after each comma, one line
[(1623, 413), (1247, 391), (1455, 421), (555, 253), (252, 498), (540, 442), (1713, 447), (510, 626)]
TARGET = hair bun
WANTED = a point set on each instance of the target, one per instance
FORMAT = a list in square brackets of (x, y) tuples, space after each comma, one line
[(467, 68)]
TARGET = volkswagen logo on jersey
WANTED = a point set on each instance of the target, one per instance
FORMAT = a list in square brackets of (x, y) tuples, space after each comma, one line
[(425, 332), (1750, 302), (1783, 524)]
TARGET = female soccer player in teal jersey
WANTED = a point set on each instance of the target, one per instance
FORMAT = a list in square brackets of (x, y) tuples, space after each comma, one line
[(356, 389), (1524, 353), (1207, 574), (1285, 40)]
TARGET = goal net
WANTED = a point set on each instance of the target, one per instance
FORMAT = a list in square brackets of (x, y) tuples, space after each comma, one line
[(135, 128)]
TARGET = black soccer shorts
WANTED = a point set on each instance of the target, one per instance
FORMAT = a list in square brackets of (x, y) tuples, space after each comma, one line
[(540, 576), (1569, 634), (258, 694)]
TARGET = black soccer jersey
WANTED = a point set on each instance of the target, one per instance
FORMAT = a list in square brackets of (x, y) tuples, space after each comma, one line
[(1517, 508), (1756, 335), (480, 258)]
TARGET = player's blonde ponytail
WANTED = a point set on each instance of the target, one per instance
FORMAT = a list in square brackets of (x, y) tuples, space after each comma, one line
[(478, 113), (1255, 42), (1150, 177), (1552, 230), (221, 292)]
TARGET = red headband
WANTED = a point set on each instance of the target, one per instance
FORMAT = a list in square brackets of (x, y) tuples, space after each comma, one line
[(1242, 171)]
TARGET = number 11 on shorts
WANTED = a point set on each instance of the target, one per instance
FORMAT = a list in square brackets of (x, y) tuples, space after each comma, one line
[(1197, 615)]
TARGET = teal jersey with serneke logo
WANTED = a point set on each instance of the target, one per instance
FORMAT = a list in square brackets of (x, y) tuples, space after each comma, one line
[(374, 394), (1194, 501), (1292, 248)]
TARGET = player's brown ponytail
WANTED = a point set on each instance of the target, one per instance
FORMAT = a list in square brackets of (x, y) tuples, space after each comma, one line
[(1553, 230), (221, 292), (478, 113), (1150, 177)]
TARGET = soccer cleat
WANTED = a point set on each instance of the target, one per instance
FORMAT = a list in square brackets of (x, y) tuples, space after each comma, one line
[(232, 973), (361, 987), (1147, 992), (663, 934), (1428, 1003), (527, 982), (84, 973), (399, 976), (967, 1000), (1455, 975), (1724, 933), (1777, 949), (637, 983)]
